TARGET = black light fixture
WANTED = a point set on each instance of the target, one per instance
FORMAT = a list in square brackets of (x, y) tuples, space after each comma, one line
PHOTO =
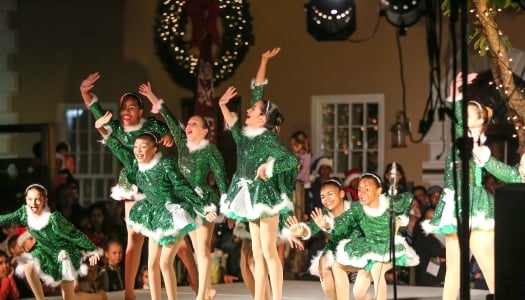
[(330, 20), (402, 13), (521, 3)]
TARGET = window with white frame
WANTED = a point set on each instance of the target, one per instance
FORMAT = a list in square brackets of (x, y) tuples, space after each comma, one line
[(350, 130), (96, 168)]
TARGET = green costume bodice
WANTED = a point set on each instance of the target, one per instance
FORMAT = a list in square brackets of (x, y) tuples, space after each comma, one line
[(350, 249), (196, 164), (58, 244), (162, 183)]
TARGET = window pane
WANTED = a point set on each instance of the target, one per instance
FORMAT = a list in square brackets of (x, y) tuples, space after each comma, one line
[(108, 163), (357, 114), (357, 138), (328, 140), (82, 164), (342, 140), (371, 161), (343, 115), (372, 110), (328, 115), (357, 159), (342, 162), (95, 163), (372, 138)]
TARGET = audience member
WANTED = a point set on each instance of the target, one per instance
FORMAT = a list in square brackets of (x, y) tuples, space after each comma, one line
[(351, 182), (68, 202), (101, 230), (434, 192), (7, 232), (401, 179), (15, 251), (111, 274), (8, 287), (65, 164), (431, 268), (91, 283), (142, 278)]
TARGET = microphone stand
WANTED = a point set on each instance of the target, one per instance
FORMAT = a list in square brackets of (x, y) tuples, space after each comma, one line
[(392, 191)]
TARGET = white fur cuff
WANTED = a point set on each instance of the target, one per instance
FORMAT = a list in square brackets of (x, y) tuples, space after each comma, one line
[(157, 106)]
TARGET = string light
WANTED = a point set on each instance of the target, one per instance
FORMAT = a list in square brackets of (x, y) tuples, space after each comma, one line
[(236, 38)]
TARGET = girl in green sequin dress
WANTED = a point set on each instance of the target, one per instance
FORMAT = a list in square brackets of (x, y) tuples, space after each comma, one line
[(169, 209), (332, 198), (370, 254), (262, 186), (197, 158), (132, 124), (56, 258), (481, 201)]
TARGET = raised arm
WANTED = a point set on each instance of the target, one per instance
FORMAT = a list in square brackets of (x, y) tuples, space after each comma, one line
[(260, 77), (229, 118), (86, 86)]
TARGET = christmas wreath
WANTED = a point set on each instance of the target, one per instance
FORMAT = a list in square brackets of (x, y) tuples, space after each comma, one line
[(175, 50)]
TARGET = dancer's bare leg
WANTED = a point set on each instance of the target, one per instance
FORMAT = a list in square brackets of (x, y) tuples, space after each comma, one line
[(247, 263), (340, 277), (185, 254), (378, 276), (68, 290), (132, 258), (263, 240), (154, 252), (452, 276), (34, 281), (361, 285), (328, 284), (167, 257), (201, 239), (482, 246)]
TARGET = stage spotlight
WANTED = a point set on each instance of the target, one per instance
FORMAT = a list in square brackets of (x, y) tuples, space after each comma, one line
[(402, 13), (330, 20)]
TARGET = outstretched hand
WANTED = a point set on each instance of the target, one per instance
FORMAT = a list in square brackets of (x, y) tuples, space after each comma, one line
[(294, 226), (319, 219), (93, 259), (228, 95), (88, 83), (146, 90), (458, 83), (103, 120), (270, 53), (295, 243), (210, 217), (167, 140)]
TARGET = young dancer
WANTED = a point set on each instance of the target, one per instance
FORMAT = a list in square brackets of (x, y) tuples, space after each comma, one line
[(481, 212), (197, 158), (262, 186), (132, 124), (332, 197), (56, 258), (372, 253), (169, 209)]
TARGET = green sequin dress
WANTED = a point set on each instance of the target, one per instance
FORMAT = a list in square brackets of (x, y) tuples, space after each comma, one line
[(126, 188), (57, 253), (196, 161), (170, 205), (249, 199), (481, 211), (350, 249)]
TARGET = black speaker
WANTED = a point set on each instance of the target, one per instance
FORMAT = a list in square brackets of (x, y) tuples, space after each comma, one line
[(510, 242)]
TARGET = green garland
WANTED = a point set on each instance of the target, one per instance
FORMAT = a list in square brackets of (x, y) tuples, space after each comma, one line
[(172, 50)]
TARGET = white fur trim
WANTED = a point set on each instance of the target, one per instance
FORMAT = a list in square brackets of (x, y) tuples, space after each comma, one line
[(152, 163), (38, 222), (197, 146), (481, 155), (403, 220), (314, 263), (93, 100), (130, 128), (199, 191), (376, 212), (270, 162), (253, 84), (330, 221), (234, 120), (308, 231), (251, 132), (459, 97), (156, 107), (119, 193)]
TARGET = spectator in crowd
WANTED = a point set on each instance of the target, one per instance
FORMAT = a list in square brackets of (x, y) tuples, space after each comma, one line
[(351, 182), (142, 278), (434, 192), (111, 274), (8, 287)]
